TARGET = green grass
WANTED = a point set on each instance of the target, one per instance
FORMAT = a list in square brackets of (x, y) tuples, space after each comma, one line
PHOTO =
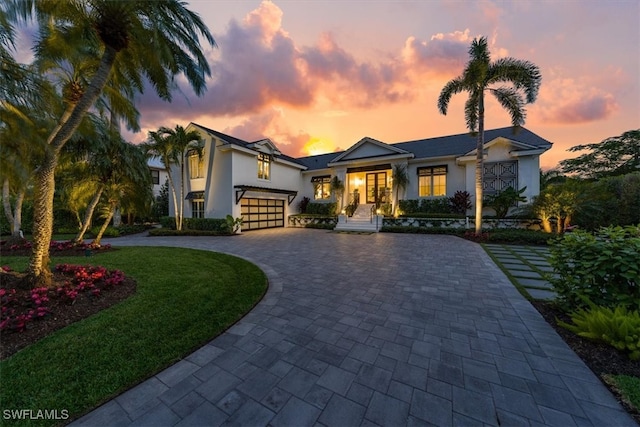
[(184, 299), (628, 386)]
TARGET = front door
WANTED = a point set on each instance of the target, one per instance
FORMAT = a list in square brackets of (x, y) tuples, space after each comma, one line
[(376, 185)]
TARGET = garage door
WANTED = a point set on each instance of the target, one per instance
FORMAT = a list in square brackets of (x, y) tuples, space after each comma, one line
[(261, 213)]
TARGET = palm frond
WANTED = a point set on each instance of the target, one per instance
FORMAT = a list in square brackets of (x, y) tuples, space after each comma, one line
[(511, 100)]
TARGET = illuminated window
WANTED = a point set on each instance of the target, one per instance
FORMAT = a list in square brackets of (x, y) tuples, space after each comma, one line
[(264, 166), (432, 181), (197, 208), (196, 165), (321, 187), (155, 176)]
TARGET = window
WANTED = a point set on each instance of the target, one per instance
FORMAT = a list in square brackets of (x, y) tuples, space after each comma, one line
[(321, 187), (197, 208), (432, 181), (264, 166), (196, 165), (155, 176), (498, 176)]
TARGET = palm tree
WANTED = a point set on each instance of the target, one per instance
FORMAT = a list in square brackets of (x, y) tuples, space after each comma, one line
[(400, 179), (142, 40), (480, 75), (129, 178), (172, 146)]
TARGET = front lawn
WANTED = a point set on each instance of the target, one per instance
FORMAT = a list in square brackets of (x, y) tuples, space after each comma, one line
[(184, 299)]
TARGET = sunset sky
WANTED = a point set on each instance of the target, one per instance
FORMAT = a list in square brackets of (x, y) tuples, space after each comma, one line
[(317, 76)]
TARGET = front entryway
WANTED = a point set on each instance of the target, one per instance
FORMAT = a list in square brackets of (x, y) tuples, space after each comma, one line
[(376, 187), (261, 213)]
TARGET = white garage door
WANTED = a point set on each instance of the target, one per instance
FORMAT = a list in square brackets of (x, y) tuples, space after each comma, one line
[(261, 213)]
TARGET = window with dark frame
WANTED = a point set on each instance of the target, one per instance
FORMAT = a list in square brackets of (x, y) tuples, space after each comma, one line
[(264, 166), (197, 208), (321, 187), (155, 176), (432, 181)]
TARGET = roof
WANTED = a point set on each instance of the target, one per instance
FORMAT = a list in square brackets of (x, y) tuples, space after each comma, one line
[(236, 141), (443, 146)]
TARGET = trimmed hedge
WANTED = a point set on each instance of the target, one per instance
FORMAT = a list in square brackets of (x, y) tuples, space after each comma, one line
[(322, 208), (157, 232), (218, 225)]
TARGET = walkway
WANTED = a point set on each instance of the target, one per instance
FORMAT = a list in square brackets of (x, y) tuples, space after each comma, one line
[(379, 329)]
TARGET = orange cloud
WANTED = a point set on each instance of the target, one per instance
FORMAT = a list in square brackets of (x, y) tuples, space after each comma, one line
[(571, 101)]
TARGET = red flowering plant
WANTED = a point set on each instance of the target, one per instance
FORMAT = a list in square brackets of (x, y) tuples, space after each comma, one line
[(55, 246), (17, 312)]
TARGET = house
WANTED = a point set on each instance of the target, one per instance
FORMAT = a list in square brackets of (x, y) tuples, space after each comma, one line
[(159, 175), (264, 186)]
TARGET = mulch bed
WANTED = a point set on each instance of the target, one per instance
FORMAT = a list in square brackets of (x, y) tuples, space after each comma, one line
[(600, 358)]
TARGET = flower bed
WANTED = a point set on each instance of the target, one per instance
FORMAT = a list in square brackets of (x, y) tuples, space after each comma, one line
[(57, 248), (20, 306)]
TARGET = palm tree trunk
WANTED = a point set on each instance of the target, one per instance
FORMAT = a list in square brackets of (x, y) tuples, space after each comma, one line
[(88, 215), (13, 214), (479, 165), (44, 185), (175, 198), (112, 209), (181, 192), (6, 203)]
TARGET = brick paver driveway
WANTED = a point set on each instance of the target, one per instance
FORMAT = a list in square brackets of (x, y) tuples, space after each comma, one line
[(380, 329)]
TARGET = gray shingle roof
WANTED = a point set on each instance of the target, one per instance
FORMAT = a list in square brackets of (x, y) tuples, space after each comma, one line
[(452, 145)]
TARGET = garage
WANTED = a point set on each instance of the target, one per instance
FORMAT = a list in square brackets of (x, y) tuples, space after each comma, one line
[(258, 213)]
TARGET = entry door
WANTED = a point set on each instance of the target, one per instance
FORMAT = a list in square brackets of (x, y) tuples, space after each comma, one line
[(376, 181)]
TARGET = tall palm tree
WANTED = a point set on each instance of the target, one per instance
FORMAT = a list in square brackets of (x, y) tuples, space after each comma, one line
[(183, 144), (400, 182), (144, 40), (481, 75)]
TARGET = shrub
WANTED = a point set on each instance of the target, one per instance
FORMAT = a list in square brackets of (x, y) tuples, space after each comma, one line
[(168, 222), (618, 328), (219, 225), (302, 205), (460, 202), (322, 208), (439, 205), (168, 232), (601, 267), (108, 232), (502, 201), (126, 229)]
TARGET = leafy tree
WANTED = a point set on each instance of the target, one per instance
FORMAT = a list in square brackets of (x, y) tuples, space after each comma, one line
[(481, 75), (502, 201), (400, 179), (161, 204), (616, 155), (135, 40)]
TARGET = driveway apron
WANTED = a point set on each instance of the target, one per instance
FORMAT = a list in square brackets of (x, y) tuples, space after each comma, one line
[(379, 329)]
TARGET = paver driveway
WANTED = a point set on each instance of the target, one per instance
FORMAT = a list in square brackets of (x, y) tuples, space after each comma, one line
[(380, 329)]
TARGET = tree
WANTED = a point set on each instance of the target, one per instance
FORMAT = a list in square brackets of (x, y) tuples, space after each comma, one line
[(141, 40), (480, 75), (129, 178), (616, 155), (172, 146), (400, 179)]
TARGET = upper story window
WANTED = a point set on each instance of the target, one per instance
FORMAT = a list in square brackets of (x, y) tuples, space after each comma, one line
[(432, 181), (264, 166), (155, 176), (321, 187), (196, 166)]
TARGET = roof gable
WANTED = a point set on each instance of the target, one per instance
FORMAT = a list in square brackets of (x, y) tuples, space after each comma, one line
[(367, 148)]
